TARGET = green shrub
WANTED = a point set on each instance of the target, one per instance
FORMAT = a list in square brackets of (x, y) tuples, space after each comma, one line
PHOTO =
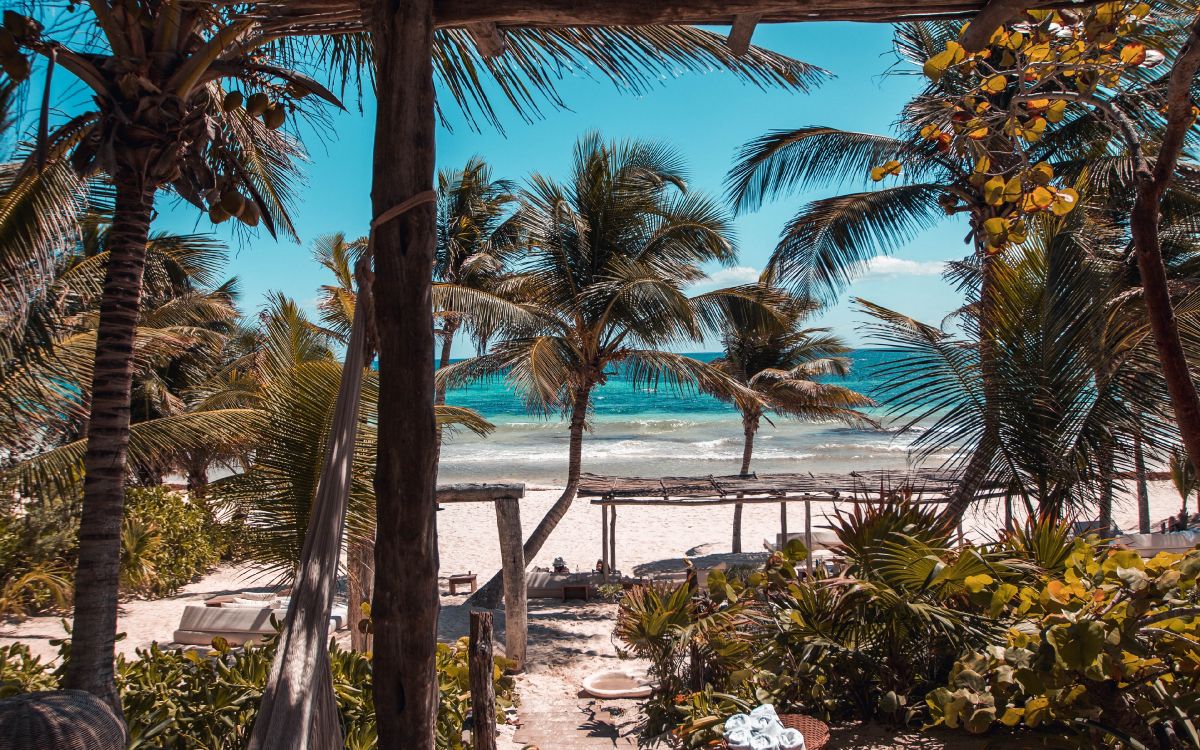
[(167, 541), (37, 554), (191, 700)]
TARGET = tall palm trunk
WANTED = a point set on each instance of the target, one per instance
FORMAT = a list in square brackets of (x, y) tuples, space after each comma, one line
[(490, 593), (1143, 492), (1106, 486), (449, 328), (1151, 184), (749, 428), (980, 463), (97, 575), (405, 606)]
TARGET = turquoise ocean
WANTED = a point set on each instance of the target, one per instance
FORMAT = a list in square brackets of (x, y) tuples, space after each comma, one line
[(663, 432)]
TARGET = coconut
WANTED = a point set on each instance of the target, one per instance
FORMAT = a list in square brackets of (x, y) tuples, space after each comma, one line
[(274, 117), (216, 214), (257, 104), (233, 202), (232, 101)]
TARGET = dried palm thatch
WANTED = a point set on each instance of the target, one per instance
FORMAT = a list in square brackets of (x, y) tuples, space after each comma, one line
[(60, 720)]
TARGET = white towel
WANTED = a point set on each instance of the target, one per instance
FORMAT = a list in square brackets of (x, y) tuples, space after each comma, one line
[(759, 742), (738, 739), (765, 709), (737, 721), (765, 726), (791, 739)]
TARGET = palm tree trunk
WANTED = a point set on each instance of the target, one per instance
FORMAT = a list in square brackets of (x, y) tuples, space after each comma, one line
[(490, 593), (749, 427), (197, 479), (360, 554), (981, 460), (97, 575), (449, 328), (405, 605), (1143, 492), (1151, 184)]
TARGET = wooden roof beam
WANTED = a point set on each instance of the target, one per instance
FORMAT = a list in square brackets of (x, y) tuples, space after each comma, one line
[(741, 32), (711, 12), (489, 39)]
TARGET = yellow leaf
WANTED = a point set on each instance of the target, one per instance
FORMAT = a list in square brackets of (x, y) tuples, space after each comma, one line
[(1038, 199), (993, 191), (1037, 104), (930, 132), (936, 66), (1056, 110), (978, 134), (983, 165), (890, 168), (996, 227), (1133, 53), (1013, 190), (1065, 201), (995, 84), (1038, 52), (1041, 173), (975, 584)]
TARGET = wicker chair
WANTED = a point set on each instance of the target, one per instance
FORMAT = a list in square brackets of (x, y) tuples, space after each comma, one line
[(816, 732), (59, 720)]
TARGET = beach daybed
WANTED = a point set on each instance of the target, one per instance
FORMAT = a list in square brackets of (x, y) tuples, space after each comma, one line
[(547, 585), (1149, 545), (239, 620)]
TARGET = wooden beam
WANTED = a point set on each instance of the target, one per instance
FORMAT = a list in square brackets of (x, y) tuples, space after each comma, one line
[(483, 692), (479, 493), (612, 538), (783, 523), (710, 12), (489, 39), (741, 32), (703, 501), (512, 566), (993, 15)]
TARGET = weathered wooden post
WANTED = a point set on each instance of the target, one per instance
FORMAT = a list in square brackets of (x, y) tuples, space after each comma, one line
[(783, 524), (612, 538), (604, 541), (808, 533), (483, 696), (512, 562)]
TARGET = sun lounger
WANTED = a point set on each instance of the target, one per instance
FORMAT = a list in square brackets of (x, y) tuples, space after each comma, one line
[(543, 585), (823, 541), (237, 623), (1149, 545)]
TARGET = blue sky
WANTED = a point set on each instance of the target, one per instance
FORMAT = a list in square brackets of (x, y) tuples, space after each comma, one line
[(707, 117)]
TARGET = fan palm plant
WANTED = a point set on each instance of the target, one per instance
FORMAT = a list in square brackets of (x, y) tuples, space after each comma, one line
[(783, 366), (609, 254)]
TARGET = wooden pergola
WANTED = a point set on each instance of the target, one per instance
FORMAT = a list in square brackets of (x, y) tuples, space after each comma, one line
[(920, 487), (405, 606)]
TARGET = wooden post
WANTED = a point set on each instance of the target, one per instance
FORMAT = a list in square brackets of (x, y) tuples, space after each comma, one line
[(604, 541), (741, 31), (783, 524), (406, 602), (1008, 515), (808, 533), (512, 561), (612, 538), (483, 696)]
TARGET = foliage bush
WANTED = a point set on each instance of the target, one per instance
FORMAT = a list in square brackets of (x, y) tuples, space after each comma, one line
[(37, 553), (1038, 631), (185, 700), (167, 541)]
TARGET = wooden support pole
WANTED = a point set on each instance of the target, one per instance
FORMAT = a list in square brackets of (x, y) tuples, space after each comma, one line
[(489, 39), (604, 540), (808, 534), (483, 695), (405, 606), (512, 560), (741, 32), (993, 15), (783, 524), (612, 538)]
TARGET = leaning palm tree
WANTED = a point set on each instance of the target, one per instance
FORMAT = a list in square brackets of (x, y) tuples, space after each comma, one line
[(610, 252), (783, 366)]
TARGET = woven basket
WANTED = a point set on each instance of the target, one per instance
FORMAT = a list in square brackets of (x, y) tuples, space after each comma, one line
[(816, 732), (59, 720)]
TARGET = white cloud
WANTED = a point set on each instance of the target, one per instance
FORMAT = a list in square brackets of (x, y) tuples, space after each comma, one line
[(885, 267), (723, 277)]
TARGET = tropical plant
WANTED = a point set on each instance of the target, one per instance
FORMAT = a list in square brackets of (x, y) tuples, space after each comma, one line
[(476, 241), (1073, 383), (1101, 651), (186, 699), (783, 365), (610, 252), (1183, 477)]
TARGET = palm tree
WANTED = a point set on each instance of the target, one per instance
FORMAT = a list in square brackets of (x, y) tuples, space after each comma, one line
[(609, 254), (782, 366), (165, 118), (475, 241), (1074, 380), (831, 239)]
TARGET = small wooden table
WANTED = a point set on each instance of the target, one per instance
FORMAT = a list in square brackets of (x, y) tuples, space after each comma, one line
[(462, 579), (577, 591)]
